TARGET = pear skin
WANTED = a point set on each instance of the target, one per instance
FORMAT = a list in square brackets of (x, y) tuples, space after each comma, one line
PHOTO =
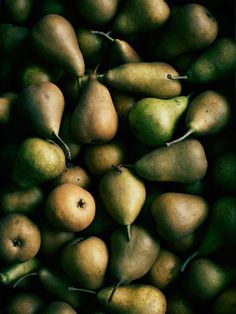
[(144, 79), (94, 119), (123, 195), (183, 162), (153, 120), (54, 39), (178, 214), (131, 299)]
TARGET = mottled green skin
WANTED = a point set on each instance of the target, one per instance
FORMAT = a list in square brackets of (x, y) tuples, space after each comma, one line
[(37, 161)]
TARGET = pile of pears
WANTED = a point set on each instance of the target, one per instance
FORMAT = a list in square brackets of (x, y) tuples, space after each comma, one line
[(118, 157)]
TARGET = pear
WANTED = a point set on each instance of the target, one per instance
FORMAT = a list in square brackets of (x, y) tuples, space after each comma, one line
[(221, 229), (164, 270), (24, 302), (20, 238), (37, 161), (223, 172), (123, 195), (42, 105), (75, 175), (178, 214), (120, 51), (225, 302), (183, 162), (178, 303), (153, 120), (13, 273), (144, 79), (56, 284), (23, 201), (94, 119), (86, 261), (91, 45), (54, 38), (131, 299), (59, 308), (97, 12), (138, 16), (205, 279), (131, 260), (191, 27), (208, 113), (7, 102), (18, 10), (213, 64), (100, 158), (69, 207)]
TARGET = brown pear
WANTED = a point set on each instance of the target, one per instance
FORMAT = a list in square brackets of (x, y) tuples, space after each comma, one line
[(94, 119), (24, 302), (86, 261), (73, 174), (69, 207), (42, 105), (178, 215), (100, 158), (20, 238), (54, 39), (164, 270)]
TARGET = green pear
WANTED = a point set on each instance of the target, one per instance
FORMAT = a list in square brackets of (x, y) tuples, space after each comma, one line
[(59, 308), (42, 105), (183, 162), (191, 27), (208, 113), (213, 64), (25, 302), (177, 215), (123, 195), (131, 260), (18, 10), (54, 38), (56, 284), (225, 302), (130, 299), (148, 79), (153, 120), (94, 119), (206, 278), (138, 16), (37, 161)]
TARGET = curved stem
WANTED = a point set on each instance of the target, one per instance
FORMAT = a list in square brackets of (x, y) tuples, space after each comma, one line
[(23, 277), (114, 290), (185, 263), (128, 228), (63, 145), (189, 132), (179, 77), (191, 94), (82, 290), (103, 34)]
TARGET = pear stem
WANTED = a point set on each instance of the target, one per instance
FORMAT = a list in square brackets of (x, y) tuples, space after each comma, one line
[(103, 34), (63, 145), (189, 132), (114, 290), (23, 277), (183, 77), (185, 263), (128, 227), (191, 94), (82, 290)]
